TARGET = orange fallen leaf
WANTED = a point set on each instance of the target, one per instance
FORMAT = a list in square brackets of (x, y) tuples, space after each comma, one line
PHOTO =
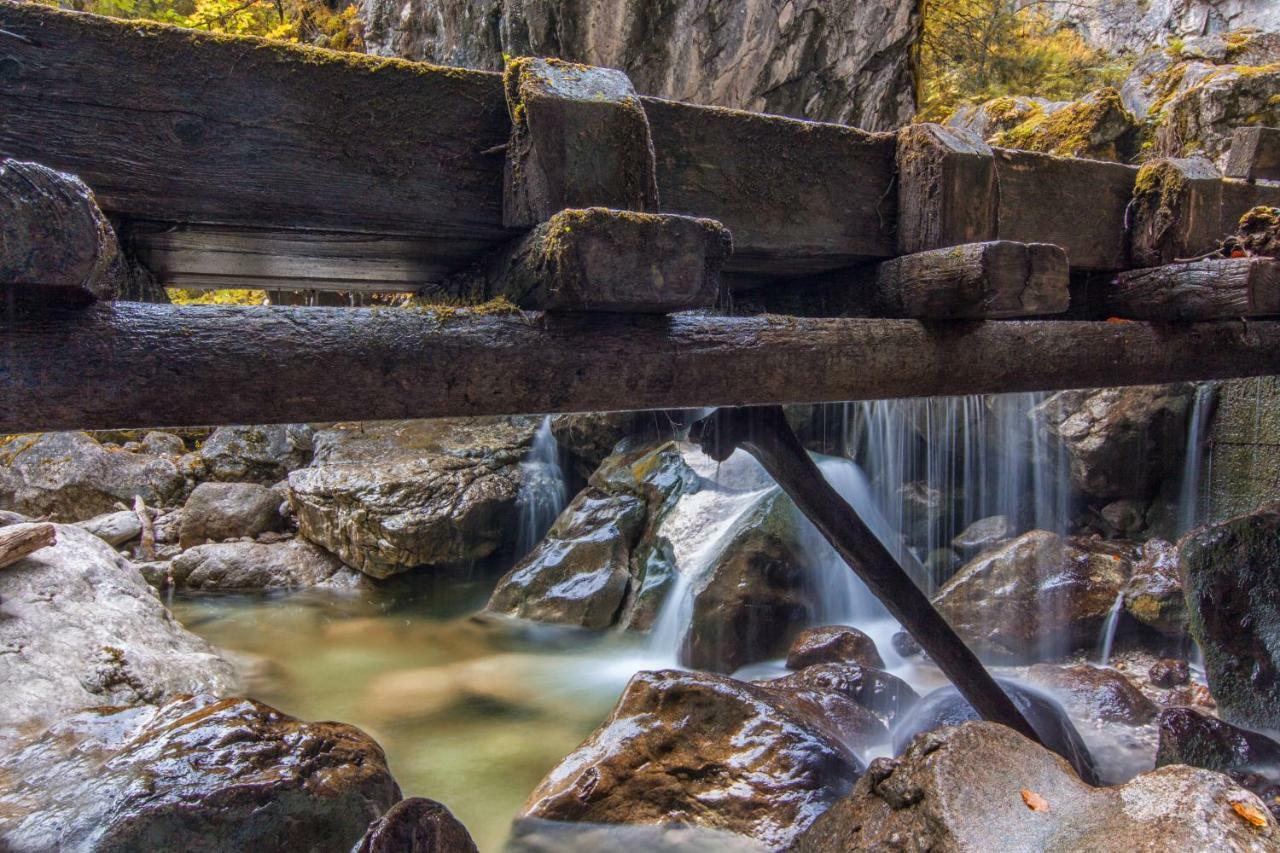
[(1251, 813), (1119, 321), (1034, 801)]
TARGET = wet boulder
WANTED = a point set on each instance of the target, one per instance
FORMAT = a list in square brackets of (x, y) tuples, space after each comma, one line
[(114, 528), (1153, 595), (218, 511), (1037, 597), (290, 564), (590, 438), (983, 534), (1196, 739), (70, 476), (544, 836), (1095, 693), (1230, 572), (946, 707), (256, 454), (757, 765), (389, 497), (981, 786), (196, 773), (833, 644), (883, 694), (1169, 672), (416, 825)]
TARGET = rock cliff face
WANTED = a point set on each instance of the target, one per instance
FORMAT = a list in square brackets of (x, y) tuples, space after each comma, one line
[(846, 61), (1136, 26)]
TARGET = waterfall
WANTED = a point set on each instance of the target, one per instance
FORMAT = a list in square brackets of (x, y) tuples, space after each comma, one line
[(1189, 509), (542, 489), (1108, 637)]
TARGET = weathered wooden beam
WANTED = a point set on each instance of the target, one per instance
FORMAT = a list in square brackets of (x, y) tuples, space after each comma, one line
[(1212, 289), (608, 260), (947, 192), (972, 281), (18, 541), (765, 434), (53, 236), (1254, 154), (118, 365), (579, 138)]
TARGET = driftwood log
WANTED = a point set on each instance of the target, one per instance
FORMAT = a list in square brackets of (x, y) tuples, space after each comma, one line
[(117, 365), (1254, 154), (946, 188), (20, 540), (1211, 289)]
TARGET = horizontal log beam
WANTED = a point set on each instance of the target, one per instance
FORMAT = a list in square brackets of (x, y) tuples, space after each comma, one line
[(1212, 289), (124, 365)]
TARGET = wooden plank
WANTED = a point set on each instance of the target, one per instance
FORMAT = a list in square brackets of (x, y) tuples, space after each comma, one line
[(947, 191), (1254, 154), (1213, 289), (1176, 212), (120, 365), (609, 260), (18, 541)]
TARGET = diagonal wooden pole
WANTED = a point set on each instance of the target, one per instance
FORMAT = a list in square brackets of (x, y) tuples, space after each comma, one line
[(763, 432)]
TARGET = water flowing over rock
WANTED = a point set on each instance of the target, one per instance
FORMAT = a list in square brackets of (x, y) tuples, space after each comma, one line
[(196, 773), (389, 497), (256, 454), (1153, 595), (1196, 739), (833, 644), (70, 476), (416, 825), (981, 786), (218, 511), (1095, 693), (1035, 598), (758, 766), (79, 627), (982, 534), (1230, 572), (846, 61), (259, 565)]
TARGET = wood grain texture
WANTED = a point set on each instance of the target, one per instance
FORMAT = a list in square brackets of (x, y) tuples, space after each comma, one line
[(1213, 289), (947, 193), (118, 365), (1254, 154), (21, 540), (976, 280)]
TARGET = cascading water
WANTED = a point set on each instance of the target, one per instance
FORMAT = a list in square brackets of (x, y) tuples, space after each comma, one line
[(1189, 510), (542, 489), (1108, 638)]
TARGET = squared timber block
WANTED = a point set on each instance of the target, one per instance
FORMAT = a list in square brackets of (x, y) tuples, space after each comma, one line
[(614, 261), (579, 138), (946, 188), (1255, 154), (1210, 289), (974, 281), (1177, 211)]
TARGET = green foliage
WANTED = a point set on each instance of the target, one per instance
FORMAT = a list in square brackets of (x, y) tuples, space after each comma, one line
[(180, 296), (976, 50)]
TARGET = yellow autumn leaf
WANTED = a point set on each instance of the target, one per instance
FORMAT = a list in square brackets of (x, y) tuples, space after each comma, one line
[(1251, 813), (1034, 801)]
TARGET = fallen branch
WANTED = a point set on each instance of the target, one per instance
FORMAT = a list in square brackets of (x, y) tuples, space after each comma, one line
[(147, 545), (18, 541)]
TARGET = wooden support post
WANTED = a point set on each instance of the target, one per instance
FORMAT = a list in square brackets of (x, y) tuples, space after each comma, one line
[(53, 236), (1255, 154), (1212, 289), (765, 434), (946, 188), (608, 260), (579, 138), (20, 540), (975, 281), (1176, 211)]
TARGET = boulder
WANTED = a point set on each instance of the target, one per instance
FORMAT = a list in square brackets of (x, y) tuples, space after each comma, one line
[(1199, 117), (1230, 572), (163, 444), (983, 534), (196, 773), (218, 511), (883, 694), (1095, 693), (1252, 760), (590, 438), (758, 765), (1097, 127), (981, 786), (545, 836), (256, 454), (1153, 595), (1119, 441), (70, 476), (416, 825), (847, 61), (79, 627), (990, 118), (1035, 598), (389, 497), (946, 707), (290, 564), (114, 528), (833, 644), (1168, 672)]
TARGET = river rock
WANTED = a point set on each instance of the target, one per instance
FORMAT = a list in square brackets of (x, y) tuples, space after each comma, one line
[(833, 644), (847, 61), (981, 786), (1252, 760), (883, 694), (1118, 440), (416, 825), (390, 497), (757, 767), (163, 444), (196, 773), (1153, 595), (590, 438), (70, 476), (1095, 693), (946, 707), (983, 534), (530, 835), (256, 454), (1168, 672), (1230, 572), (218, 511), (79, 627), (260, 565), (114, 528), (1037, 597)]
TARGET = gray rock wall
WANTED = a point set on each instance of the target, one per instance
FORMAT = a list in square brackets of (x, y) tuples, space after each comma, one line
[(1116, 25), (1243, 466)]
